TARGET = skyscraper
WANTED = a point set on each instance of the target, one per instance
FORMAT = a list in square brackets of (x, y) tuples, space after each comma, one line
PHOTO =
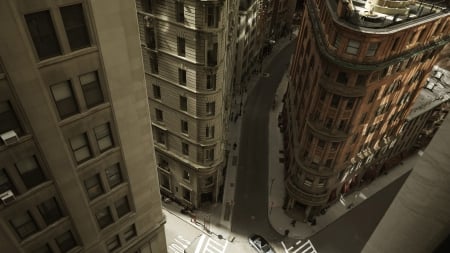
[(188, 48), (77, 166), (356, 71)]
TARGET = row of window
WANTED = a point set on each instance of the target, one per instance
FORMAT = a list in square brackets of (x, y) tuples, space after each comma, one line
[(115, 242), (81, 148), (25, 225), (210, 109), (104, 181), (106, 217), (30, 174), (44, 37), (65, 242)]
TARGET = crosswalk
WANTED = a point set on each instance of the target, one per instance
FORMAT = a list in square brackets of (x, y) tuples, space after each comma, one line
[(179, 245), (300, 247), (210, 246)]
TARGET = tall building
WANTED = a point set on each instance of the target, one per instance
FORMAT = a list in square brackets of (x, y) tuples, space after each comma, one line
[(357, 69), (187, 48), (77, 166)]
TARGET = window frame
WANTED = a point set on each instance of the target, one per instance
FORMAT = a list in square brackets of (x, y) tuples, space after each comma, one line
[(84, 136), (80, 28), (92, 87), (70, 99)]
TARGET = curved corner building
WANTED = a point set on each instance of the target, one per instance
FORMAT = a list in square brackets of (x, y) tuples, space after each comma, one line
[(356, 71)]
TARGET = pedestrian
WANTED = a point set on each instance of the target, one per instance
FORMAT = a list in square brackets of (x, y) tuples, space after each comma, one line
[(293, 223)]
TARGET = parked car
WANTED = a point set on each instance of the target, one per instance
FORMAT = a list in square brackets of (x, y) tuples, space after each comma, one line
[(260, 244)]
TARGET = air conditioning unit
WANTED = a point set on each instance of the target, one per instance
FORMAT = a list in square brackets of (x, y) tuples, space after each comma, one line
[(7, 197), (9, 137)]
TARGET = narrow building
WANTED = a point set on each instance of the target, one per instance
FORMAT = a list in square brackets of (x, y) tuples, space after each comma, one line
[(77, 165), (357, 69)]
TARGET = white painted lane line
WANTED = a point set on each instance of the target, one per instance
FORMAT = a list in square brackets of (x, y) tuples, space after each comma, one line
[(181, 243), (200, 244)]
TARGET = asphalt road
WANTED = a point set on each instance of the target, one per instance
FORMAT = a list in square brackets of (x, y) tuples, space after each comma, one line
[(250, 209), (350, 233)]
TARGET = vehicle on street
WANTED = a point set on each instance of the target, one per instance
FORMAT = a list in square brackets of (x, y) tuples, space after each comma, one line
[(260, 244)]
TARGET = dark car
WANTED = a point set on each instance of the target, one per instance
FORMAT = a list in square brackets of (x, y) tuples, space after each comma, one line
[(260, 244)]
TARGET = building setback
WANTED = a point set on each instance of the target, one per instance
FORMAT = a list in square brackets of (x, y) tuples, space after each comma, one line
[(356, 71), (188, 48), (77, 166)]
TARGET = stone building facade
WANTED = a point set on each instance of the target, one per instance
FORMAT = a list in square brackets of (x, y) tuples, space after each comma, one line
[(77, 165), (357, 70), (188, 48)]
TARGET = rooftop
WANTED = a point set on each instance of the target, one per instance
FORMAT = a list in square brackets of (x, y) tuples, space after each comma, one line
[(435, 92)]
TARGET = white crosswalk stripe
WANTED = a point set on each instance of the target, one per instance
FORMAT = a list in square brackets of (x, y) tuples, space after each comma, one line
[(211, 246), (179, 245), (299, 247)]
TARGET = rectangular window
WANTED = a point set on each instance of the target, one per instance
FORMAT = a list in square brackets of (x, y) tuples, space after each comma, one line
[(43, 34), (186, 194), (64, 99), (361, 80), (210, 108), (5, 182), (150, 40), (209, 154), (373, 96), (93, 187), (65, 242), (129, 233), (353, 47), (182, 77), (104, 217), (113, 244), (147, 5), (322, 183), (179, 8), (8, 119), (209, 132), (335, 101), (30, 172), (183, 103), (212, 54), (372, 49), (159, 115), (114, 175), (185, 148), (91, 89), (24, 225), (154, 68), (164, 181), (308, 181), (337, 41), (156, 92), (184, 126), (50, 211), (122, 206), (104, 137), (211, 82), (80, 148), (160, 136), (75, 26), (212, 16), (181, 46), (350, 103), (342, 78)]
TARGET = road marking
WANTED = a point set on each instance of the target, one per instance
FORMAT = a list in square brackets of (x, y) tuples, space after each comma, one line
[(362, 196), (179, 245), (306, 247), (200, 244)]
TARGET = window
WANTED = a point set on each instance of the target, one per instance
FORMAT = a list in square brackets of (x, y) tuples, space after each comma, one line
[(185, 148), (210, 108), (211, 82), (129, 233), (24, 225), (30, 172), (209, 132), (75, 26), (179, 8), (363, 118), (80, 148), (114, 175), (350, 103), (186, 175), (5, 182), (64, 99), (93, 187), (50, 211), (8, 119), (66, 241), (160, 136), (211, 54), (212, 16), (43, 34), (184, 126), (209, 181), (182, 76), (361, 80), (308, 181), (150, 40), (353, 47), (334, 146), (159, 115), (164, 181), (104, 217), (335, 101), (113, 244), (156, 92), (322, 182), (321, 144), (91, 89), (183, 103), (373, 96), (154, 63), (372, 49), (104, 137), (181, 46), (342, 78), (209, 154), (342, 124), (337, 41), (122, 206), (328, 123), (186, 194)]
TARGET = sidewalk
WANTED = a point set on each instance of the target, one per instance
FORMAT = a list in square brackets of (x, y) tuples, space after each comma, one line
[(278, 218)]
